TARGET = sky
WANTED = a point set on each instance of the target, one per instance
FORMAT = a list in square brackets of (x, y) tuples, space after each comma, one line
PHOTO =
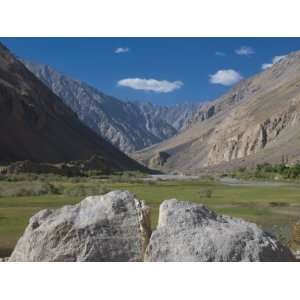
[(164, 71)]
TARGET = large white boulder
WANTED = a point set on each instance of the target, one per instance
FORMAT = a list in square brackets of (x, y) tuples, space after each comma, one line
[(112, 227), (191, 232)]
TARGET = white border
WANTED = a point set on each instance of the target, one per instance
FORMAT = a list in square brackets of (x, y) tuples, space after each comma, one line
[(145, 281), (149, 18)]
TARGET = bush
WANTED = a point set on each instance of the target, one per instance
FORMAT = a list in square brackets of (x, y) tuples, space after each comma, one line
[(78, 190), (242, 169), (77, 179), (268, 171), (36, 189), (22, 192), (151, 182), (288, 172), (208, 178), (278, 204), (84, 191), (206, 193), (48, 188)]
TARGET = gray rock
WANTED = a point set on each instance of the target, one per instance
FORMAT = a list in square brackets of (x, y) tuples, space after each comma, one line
[(112, 227), (159, 159), (191, 232), (4, 259)]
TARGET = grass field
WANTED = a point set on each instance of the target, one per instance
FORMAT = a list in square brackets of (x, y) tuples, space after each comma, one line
[(271, 207)]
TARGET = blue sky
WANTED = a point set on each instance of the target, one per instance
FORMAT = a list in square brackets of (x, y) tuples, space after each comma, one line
[(181, 67)]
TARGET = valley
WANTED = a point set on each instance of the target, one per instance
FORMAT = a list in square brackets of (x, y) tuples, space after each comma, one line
[(129, 125), (242, 128), (63, 140)]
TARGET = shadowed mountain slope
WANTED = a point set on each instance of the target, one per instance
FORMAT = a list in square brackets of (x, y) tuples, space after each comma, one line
[(36, 125)]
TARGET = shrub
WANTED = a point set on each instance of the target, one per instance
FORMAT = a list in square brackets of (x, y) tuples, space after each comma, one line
[(151, 182), (36, 189), (77, 190), (47, 188), (22, 192), (288, 172), (206, 193), (84, 191), (242, 169), (278, 204)]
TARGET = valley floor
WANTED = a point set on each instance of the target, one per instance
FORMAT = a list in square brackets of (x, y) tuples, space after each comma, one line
[(274, 207)]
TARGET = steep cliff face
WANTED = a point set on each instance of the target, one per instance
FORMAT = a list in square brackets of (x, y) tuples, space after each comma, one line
[(257, 121), (229, 147), (36, 125)]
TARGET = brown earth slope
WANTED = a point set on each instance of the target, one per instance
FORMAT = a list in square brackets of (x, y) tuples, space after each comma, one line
[(257, 121), (36, 125)]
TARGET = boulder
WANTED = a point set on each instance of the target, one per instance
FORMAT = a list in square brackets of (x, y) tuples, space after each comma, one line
[(192, 232), (159, 159), (112, 227), (4, 259)]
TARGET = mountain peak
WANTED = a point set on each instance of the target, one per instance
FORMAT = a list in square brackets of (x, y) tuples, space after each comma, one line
[(128, 125)]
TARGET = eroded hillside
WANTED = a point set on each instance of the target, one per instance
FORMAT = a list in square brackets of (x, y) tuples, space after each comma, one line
[(257, 121)]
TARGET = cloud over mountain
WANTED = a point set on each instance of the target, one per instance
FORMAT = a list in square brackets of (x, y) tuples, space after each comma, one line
[(158, 86), (225, 77), (274, 61)]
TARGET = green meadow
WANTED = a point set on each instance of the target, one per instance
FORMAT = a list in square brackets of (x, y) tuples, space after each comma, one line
[(275, 208)]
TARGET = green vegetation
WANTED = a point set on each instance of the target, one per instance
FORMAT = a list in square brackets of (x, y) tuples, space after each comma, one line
[(275, 208), (267, 171)]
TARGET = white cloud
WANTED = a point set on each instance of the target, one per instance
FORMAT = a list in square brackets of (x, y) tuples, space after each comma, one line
[(275, 60), (278, 58), (225, 77), (266, 66), (121, 50), (220, 53), (244, 50), (158, 86)]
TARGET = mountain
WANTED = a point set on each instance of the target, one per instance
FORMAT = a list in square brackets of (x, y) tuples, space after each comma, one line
[(36, 125), (255, 122), (128, 125), (179, 116)]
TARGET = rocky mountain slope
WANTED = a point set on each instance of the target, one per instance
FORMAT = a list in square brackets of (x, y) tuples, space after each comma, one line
[(128, 125), (255, 122), (36, 125), (179, 116)]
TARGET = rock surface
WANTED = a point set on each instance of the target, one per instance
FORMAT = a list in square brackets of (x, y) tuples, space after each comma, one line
[(112, 227), (4, 259), (159, 159), (191, 232)]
